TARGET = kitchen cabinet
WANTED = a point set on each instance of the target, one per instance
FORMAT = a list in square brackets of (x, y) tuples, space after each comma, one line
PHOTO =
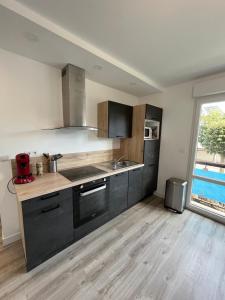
[(142, 150), (151, 154), (151, 151), (49, 222), (134, 186), (153, 113), (114, 120), (150, 170), (149, 180), (118, 194), (48, 225)]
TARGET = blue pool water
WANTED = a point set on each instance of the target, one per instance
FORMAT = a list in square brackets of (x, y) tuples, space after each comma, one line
[(206, 189)]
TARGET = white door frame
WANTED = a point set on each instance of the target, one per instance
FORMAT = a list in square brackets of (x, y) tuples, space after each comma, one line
[(195, 131)]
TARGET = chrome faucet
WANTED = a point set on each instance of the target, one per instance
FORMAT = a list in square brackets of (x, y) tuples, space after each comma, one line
[(119, 159), (116, 161)]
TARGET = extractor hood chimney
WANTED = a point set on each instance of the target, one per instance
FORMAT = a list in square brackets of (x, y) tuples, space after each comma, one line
[(74, 99)]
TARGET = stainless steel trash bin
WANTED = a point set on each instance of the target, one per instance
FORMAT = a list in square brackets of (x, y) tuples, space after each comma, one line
[(175, 197)]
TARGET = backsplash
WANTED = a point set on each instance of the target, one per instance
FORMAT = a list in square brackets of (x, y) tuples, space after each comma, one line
[(72, 160)]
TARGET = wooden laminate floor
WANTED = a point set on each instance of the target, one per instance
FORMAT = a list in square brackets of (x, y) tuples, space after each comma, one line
[(145, 253)]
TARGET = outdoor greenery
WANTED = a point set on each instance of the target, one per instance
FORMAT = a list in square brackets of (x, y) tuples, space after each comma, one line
[(212, 133)]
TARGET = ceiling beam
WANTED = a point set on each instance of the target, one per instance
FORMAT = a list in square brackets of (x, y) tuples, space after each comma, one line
[(38, 19)]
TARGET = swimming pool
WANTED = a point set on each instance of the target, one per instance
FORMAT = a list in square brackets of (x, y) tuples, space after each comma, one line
[(206, 189)]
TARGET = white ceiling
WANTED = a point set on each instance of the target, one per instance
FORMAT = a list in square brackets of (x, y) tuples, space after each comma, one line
[(158, 43)]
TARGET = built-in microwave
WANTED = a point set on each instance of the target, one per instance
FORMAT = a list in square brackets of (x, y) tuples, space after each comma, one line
[(152, 129)]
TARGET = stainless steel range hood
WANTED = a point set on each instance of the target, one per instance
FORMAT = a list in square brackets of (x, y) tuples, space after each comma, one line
[(74, 99)]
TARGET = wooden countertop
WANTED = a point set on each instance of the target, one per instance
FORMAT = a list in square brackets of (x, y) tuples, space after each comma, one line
[(52, 182)]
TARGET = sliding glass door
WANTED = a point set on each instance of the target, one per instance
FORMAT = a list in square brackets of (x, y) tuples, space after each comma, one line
[(207, 166)]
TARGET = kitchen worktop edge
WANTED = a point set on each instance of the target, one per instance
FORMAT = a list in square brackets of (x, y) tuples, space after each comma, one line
[(53, 182)]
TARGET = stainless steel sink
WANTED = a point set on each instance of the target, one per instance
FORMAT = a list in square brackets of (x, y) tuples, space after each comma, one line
[(114, 165)]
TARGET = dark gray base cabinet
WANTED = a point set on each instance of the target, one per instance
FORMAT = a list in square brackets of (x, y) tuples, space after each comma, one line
[(118, 194), (134, 187), (149, 180), (48, 225), (48, 220)]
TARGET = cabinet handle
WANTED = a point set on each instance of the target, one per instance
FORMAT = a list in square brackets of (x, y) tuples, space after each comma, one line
[(50, 208), (49, 196), (103, 187), (119, 136)]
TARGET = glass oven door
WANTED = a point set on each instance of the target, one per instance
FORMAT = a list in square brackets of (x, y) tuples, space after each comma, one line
[(90, 203)]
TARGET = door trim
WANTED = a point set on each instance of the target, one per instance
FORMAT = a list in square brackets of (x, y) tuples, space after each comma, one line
[(193, 144)]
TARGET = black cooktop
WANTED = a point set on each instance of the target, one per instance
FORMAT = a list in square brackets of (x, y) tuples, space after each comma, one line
[(80, 173)]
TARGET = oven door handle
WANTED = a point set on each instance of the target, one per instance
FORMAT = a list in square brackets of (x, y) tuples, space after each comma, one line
[(103, 187)]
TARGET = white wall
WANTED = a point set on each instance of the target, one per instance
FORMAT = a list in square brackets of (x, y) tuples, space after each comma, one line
[(8, 207), (31, 99), (178, 107)]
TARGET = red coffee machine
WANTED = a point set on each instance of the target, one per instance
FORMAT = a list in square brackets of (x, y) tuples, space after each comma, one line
[(23, 169)]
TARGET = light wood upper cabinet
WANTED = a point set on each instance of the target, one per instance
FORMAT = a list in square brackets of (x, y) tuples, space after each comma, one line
[(133, 149), (114, 120)]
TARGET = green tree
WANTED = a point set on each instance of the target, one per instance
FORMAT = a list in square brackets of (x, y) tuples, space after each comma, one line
[(212, 133)]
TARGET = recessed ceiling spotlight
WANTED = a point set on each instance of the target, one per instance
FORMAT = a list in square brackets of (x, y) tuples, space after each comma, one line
[(133, 83), (98, 67), (31, 37)]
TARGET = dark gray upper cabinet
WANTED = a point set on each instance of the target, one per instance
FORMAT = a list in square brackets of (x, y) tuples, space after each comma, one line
[(153, 113), (135, 186), (120, 120), (48, 225), (114, 120), (118, 193)]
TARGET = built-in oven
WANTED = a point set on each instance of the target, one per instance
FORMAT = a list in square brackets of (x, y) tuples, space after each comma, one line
[(90, 201)]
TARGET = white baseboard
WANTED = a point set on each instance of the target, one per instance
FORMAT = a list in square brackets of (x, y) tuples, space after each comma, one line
[(11, 238), (159, 195)]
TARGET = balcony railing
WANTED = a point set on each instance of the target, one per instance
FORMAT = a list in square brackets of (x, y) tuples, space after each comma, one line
[(209, 163), (212, 164), (215, 204)]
